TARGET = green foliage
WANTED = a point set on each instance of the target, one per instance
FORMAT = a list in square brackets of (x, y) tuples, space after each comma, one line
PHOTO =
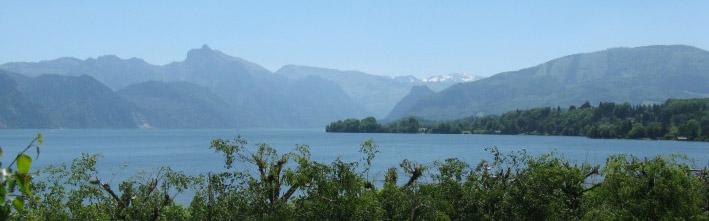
[(16, 185), (366, 125), (370, 125), (683, 119), (261, 184), (23, 163), (75, 192), (654, 189)]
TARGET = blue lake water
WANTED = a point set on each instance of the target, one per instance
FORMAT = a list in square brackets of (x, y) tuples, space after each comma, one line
[(126, 151)]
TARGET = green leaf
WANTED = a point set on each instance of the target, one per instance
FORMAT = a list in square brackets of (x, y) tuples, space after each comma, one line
[(23, 163), (19, 203), (11, 185), (3, 192), (24, 183)]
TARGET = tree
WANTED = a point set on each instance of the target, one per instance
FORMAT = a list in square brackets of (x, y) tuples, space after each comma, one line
[(637, 131), (705, 127), (369, 125), (655, 189), (691, 129), (585, 105), (675, 118)]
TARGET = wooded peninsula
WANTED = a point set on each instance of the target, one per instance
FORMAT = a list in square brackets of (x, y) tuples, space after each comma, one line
[(675, 119)]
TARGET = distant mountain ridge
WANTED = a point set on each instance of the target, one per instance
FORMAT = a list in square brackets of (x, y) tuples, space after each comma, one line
[(455, 77), (255, 97), (247, 85), (56, 101), (59, 101), (108, 69), (16, 110), (212, 89), (415, 95), (439, 82), (649, 74), (177, 105), (376, 94)]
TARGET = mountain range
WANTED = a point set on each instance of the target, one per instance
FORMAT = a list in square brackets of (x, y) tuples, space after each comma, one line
[(216, 90), (376, 94), (649, 74), (207, 89), (61, 101), (210, 89), (16, 110)]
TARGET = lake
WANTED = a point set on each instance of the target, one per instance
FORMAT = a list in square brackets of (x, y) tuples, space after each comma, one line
[(125, 151)]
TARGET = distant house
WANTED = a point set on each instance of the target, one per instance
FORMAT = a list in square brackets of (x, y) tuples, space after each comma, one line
[(466, 132), (681, 138), (423, 130)]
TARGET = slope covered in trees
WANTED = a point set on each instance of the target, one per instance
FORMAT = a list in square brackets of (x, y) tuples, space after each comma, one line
[(683, 119), (16, 109), (374, 93), (58, 101), (256, 97), (79, 102), (54, 101), (415, 95), (178, 105), (638, 75)]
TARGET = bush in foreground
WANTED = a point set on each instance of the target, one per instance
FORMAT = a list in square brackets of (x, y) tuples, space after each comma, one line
[(258, 183)]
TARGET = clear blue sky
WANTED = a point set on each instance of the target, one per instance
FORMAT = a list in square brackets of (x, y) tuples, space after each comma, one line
[(380, 37)]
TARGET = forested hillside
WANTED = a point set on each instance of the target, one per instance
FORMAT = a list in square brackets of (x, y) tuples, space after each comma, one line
[(376, 94), (178, 105), (16, 110), (54, 101), (254, 96), (639, 75)]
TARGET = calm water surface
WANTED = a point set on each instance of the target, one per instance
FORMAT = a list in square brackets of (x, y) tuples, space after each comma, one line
[(126, 151)]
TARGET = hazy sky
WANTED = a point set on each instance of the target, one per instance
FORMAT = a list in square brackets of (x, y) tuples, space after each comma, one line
[(381, 37)]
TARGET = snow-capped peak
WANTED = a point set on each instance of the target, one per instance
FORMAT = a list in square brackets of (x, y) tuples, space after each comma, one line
[(454, 77), (406, 78)]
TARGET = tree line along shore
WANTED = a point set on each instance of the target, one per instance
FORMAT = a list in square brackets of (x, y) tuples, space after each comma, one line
[(675, 119)]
